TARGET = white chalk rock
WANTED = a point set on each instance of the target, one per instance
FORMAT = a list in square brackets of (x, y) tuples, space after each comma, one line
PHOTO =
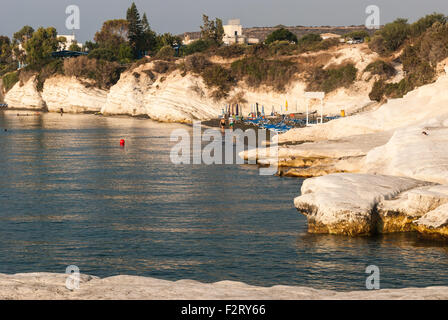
[(346, 203), (423, 103), (418, 152), (435, 219), (25, 96), (72, 95)]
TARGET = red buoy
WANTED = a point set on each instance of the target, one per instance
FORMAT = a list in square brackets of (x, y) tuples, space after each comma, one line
[(122, 143)]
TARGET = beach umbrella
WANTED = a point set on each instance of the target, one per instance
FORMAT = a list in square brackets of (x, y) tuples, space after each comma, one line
[(237, 110), (257, 109), (286, 106)]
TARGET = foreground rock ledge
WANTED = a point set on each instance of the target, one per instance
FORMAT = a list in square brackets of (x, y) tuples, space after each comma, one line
[(37, 286)]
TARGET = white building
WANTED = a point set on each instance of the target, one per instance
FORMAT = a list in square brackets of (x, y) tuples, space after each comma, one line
[(233, 34)]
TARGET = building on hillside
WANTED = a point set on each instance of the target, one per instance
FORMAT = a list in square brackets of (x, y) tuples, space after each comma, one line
[(233, 34)]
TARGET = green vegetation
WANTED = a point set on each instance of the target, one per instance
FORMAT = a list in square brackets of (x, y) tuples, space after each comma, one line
[(40, 46), (9, 80), (382, 68), (281, 34), (216, 76), (232, 51), (166, 52), (197, 46), (102, 54), (103, 73), (425, 45), (272, 73), (331, 79), (357, 34), (212, 31)]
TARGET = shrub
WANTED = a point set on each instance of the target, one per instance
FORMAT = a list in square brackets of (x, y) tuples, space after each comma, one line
[(49, 70), (197, 46), (393, 36), (309, 40), (377, 92), (102, 54), (357, 34), (9, 80), (423, 24), (257, 71), (196, 63), (281, 34), (231, 51), (282, 48), (163, 67), (216, 76), (104, 73), (331, 79), (259, 50), (382, 68), (166, 52)]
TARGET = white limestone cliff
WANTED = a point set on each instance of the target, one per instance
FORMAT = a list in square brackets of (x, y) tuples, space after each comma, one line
[(25, 96), (72, 95)]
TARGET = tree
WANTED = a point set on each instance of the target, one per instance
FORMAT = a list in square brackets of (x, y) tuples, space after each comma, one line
[(89, 46), (113, 33), (23, 34), (150, 41), (74, 47), (420, 26), (135, 33), (281, 34), (5, 50), (125, 53), (212, 30), (167, 39), (390, 37), (41, 45)]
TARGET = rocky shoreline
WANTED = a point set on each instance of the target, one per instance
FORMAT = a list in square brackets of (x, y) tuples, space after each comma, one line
[(51, 286), (381, 171)]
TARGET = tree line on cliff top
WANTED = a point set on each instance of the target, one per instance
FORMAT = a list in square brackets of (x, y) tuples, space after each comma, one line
[(120, 45)]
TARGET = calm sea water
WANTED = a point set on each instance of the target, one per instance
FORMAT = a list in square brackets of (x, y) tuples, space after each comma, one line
[(70, 195)]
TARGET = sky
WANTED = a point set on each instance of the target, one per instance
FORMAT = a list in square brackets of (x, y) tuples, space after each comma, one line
[(178, 16)]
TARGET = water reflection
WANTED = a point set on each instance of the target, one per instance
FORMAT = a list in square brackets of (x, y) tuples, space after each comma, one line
[(70, 195)]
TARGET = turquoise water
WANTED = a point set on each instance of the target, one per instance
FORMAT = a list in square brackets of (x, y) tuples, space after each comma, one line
[(70, 195)]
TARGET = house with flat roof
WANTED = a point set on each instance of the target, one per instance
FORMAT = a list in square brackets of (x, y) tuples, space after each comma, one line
[(233, 34)]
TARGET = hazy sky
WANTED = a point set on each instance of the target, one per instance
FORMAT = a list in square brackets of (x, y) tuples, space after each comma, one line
[(178, 16)]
